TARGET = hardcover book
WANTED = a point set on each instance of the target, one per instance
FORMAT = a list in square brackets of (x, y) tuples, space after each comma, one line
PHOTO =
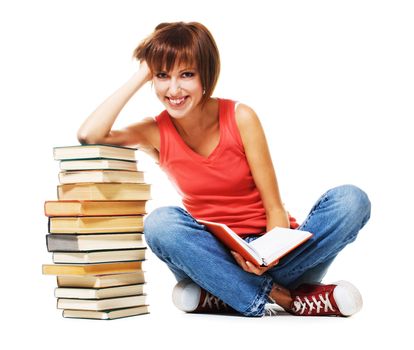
[(101, 281), (81, 176), (263, 251), (104, 191), (91, 269), (106, 241), (99, 256), (96, 224), (98, 163), (107, 314), (101, 304), (99, 293), (94, 151), (94, 208)]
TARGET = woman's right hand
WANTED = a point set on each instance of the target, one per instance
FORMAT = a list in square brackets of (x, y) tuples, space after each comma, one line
[(249, 266), (145, 71)]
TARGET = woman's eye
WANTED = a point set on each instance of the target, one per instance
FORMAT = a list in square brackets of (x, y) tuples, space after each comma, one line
[(188, 74), (161, 75)]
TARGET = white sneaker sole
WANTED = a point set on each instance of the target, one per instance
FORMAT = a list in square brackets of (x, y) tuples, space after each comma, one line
[(347, 297), (186, 295)]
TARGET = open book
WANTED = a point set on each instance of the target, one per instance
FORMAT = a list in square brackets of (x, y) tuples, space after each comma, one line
[(263, 251)]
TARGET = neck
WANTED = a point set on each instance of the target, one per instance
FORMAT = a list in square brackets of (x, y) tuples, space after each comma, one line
[(198, 120)]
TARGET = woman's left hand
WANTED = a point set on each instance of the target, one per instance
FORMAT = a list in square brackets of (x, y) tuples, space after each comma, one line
[(250, 267)]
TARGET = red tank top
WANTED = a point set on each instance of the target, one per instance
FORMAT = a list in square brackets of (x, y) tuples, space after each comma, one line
[(219, 187)]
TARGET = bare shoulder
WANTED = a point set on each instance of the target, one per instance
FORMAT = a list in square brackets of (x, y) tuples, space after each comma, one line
[(246, 119)]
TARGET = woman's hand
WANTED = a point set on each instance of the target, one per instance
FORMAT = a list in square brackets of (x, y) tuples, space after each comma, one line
[(250, 267), (144, 71)]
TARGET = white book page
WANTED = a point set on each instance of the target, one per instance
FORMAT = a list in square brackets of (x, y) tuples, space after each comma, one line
[(277, 242)]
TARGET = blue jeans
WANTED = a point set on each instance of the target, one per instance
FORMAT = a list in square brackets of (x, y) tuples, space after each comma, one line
[(190, 251)]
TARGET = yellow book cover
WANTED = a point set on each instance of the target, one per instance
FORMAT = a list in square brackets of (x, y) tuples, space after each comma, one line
[(104, 191), (94, 208), (96, 224), (91, 269)]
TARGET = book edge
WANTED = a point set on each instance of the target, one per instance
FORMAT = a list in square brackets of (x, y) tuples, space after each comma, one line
[(97, 144), (272, 258), (249, 250)]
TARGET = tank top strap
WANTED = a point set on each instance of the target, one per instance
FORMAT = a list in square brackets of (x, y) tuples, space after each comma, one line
[(228, 123)]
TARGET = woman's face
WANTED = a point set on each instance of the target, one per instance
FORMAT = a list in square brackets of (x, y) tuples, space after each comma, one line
[(180, 90)]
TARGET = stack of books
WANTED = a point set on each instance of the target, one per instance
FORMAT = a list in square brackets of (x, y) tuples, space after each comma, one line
[(95, 232)]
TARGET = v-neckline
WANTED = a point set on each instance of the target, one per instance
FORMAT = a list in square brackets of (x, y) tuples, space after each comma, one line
[(189, 150)]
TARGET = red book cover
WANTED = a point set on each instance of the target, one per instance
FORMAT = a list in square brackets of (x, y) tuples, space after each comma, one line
[(268, 248)]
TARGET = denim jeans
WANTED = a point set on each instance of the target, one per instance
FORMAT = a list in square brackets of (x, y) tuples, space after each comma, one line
[(190, 251)]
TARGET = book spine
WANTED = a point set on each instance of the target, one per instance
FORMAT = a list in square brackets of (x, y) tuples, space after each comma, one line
[(65, 243)]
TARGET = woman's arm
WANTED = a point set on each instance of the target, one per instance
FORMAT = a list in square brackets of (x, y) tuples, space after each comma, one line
[(261, 166), (97, 127)]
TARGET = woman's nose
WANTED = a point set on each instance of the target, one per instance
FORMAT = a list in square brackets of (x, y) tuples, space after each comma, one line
[(174, 86)]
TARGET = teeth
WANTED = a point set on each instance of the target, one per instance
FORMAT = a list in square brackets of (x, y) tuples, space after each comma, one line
[(177, 101)]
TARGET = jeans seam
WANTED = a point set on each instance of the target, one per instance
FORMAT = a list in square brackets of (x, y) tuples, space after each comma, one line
[(185, 212), (256, 308)]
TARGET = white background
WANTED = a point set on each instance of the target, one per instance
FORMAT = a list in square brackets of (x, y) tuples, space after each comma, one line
[(333, 83)]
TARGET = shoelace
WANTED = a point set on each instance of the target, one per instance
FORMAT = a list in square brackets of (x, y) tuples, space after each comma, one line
[(212, 301), (270, 310), (313, 303)]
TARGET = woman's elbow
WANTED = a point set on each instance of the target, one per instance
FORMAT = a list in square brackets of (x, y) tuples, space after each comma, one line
[(84, 138)]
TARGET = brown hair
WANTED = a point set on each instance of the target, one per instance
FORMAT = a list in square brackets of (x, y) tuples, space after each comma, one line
[(182, 43)]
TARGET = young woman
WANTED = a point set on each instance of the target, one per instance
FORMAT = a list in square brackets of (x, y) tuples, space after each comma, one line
[(215, 153)]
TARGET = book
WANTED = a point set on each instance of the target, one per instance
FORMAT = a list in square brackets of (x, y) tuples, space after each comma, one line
[(101, 304), (101, 281), (99, 256), (94, 208), (96, 224), (107, 314), (263, 251), (80, 176), (98, 163), (99, 293), (104, 191), (95, 232), (93, 151), (91, 269), (106, 241)]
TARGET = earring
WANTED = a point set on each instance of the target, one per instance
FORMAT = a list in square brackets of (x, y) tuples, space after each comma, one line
[(204, 91)]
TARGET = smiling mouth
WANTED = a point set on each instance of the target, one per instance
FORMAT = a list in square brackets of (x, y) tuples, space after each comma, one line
[(177, 101)]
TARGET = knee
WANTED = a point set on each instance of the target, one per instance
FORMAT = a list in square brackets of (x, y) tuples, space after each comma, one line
[(353, 201), (160, 225)]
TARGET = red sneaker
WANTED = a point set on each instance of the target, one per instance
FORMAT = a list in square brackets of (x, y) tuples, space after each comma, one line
[(189, 297), (339, 299)]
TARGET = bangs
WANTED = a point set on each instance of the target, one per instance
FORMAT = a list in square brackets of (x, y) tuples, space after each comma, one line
[(171, 48)]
